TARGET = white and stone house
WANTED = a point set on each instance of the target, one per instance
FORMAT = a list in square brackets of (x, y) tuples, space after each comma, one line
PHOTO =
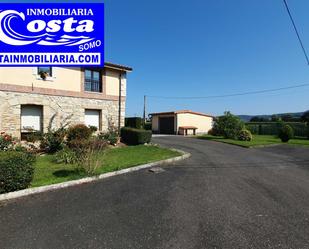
[(93, 96)]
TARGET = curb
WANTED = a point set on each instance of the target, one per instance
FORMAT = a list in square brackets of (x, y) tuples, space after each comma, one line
[(37, 190)]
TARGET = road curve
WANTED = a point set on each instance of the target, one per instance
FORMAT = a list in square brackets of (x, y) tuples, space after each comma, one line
[(224, 196)]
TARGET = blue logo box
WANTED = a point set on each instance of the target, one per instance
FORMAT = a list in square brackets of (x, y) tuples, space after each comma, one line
[(52, 34)]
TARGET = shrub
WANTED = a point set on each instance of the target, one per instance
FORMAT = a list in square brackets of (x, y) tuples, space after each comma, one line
[(133, 136), (79, 131), (88, 153), (113, 139), (66, 155), (93, 128), (135, 122), (228, 125), (16, 170), (212, 132), (245, 135), (6, 141), (111, 136), (81, 146), (91, 160), (20, 148), (308, 130), (148, 126), (33, 137), (286, 133), (53, 141)]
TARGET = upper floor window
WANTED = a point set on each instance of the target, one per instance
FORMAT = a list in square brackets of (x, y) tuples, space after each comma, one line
[(93, 82), (45, 72)]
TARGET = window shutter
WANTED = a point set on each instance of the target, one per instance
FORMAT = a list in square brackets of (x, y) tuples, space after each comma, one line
[(92, 118), (31, 117)]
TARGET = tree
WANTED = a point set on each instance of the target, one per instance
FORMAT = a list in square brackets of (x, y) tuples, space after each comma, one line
[(255, 119), (287, 118), (228, 125), (275, 118), (305, 117), (259, 119)]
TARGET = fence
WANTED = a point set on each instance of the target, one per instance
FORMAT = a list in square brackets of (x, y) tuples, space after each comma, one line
[(272, 128)]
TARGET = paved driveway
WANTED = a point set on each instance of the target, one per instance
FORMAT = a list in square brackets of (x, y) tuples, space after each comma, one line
[(222, 197)]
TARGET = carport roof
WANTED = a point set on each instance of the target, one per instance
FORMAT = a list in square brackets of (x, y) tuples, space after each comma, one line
[(180, 112)]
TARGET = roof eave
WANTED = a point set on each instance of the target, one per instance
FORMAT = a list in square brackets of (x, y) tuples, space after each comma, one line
[(117, 67)]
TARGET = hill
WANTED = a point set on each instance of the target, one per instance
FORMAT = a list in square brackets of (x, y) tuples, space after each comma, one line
[(247, 118)]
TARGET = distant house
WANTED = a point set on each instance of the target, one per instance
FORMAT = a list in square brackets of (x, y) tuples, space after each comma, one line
[(32, 97), (183, 122)]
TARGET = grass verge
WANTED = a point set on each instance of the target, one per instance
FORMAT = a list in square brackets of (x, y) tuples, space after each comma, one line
[(258, 140), (48, 172)]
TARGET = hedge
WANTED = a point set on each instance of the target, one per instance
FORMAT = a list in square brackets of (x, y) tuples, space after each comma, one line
[(16, 170), (133, 136), (273, 128), (134, 122), (148, 126)]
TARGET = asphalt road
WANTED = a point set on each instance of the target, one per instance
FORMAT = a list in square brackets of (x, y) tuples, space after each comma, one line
[(222, 197)]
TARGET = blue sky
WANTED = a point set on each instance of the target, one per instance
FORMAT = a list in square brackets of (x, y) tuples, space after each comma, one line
[(210, 47)]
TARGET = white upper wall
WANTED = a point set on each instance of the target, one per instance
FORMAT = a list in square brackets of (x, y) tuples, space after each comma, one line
[(112, 83), (63, 78), (67, 79)]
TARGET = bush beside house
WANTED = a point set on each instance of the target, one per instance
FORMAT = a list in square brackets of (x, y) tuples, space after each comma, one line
[(134, 122), (148, 126), (6, 141), (53, 140), (138, 123), (132, 136), (78, 132), (16, 170)]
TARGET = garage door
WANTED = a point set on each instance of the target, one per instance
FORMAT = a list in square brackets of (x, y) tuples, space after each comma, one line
[(166, 125), (31, 117), (92, 118)]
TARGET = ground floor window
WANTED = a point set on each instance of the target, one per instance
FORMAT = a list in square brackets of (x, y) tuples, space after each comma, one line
[(93, 118), (31, 118)]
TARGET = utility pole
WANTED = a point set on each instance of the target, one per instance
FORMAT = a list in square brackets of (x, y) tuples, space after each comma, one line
[(144, 113)]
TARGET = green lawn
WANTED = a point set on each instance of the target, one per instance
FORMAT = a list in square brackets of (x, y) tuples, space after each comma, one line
[(258, 140), (47, 172)]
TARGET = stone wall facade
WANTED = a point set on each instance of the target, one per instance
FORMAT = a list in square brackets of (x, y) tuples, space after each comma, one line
[(57, 110)]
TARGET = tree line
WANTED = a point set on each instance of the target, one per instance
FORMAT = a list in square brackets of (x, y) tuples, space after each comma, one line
[(285, 118)]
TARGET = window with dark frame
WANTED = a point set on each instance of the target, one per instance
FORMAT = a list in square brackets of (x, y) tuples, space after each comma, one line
[(93, 80), (45, 70)]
